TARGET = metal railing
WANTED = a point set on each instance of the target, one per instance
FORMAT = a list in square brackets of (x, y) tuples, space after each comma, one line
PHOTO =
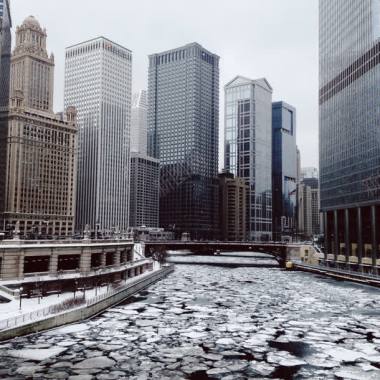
[(62, 242), (322, 267), (60, 307), (34, 315)]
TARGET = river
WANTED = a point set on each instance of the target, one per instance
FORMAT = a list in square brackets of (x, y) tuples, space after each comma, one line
[(206, 322)]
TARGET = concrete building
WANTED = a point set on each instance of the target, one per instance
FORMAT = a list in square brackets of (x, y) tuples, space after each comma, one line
[(144, 191), (313, 183), (38, 161), (284, 170), (309, 172), (98, 77), (145, 170), (349, 120), (5, 51), (139, 123), (248, 148), (233, 207), (5, 58), (305, 227), (183, 123)]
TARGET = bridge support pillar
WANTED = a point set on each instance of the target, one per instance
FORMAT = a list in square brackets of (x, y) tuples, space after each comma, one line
[(360, 235), (374, 237), (327, 233), (336, 236), (347, 239)]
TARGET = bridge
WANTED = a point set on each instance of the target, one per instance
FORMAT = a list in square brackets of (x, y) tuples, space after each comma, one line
[(278, 251)]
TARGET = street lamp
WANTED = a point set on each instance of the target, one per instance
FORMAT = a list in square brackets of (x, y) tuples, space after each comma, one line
[(20, 292), (75, 287)]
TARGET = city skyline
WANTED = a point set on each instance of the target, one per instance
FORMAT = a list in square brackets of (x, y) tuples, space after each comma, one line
[(266, 42)]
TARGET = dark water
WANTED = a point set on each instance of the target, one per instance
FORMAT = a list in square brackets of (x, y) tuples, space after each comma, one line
[(205, 322)]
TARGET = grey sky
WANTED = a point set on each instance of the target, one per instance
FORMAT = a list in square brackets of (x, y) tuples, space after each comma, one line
[(276, 39)]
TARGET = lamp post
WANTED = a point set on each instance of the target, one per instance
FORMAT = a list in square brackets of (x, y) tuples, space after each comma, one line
[(20, 292), (75, 287)]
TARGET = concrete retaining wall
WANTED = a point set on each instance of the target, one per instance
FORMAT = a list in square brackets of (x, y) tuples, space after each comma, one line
[(82, 313)]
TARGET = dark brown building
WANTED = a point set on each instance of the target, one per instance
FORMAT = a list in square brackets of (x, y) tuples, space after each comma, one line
[(233, 207)]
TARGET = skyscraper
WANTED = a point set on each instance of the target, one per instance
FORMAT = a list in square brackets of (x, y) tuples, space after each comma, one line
[(145, 170), (144, 191), (232, 207), (139, 122), (5, 51), (248, 148), (5, 57), (349, 127), (38, 161), (98, 83), (313, 183), (284, 169), (183, 98)]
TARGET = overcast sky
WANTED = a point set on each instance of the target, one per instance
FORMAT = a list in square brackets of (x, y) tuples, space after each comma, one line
[(275, 39)]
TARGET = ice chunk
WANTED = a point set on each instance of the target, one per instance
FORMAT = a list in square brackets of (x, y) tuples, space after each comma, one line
[(38, 354)]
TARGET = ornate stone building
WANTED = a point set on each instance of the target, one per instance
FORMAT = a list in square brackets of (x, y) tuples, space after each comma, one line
[(38, 195)]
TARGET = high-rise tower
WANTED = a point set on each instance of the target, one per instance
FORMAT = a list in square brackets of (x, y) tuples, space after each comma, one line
[(139, 122), (183, 99), (349, 128), (284, 170), (5, 51), (38, 158), (98, 83), (248, 148)]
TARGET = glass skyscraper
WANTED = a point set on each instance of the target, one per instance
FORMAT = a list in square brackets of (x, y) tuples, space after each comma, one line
[(183, 122), (98, 77), (284, 169), (349, 128), (248, 148)]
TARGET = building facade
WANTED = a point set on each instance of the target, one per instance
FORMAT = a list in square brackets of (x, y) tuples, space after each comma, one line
[(305, 210), (313, 183), (233, 207), (5, 51), (248, 148), (139, 123), (284, 170), (39, 157), (144, 191), (183, 122), (349, 131), (98, 83)]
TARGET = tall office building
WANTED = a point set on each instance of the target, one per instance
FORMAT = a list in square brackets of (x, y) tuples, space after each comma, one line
[(145, 170), (349, 127), (98, 83), (313, 183), (38, 160), (139, 123), (284, 170), (5, 51), (233, 207), (144, 191), (309, 172), (305, 210), (248, 148), (5, 57), (183, 122)]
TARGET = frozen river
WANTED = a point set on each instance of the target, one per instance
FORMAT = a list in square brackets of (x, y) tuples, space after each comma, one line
[(205, 322)]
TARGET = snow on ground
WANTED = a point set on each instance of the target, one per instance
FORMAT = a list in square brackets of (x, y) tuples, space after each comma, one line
[(28, 305)]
